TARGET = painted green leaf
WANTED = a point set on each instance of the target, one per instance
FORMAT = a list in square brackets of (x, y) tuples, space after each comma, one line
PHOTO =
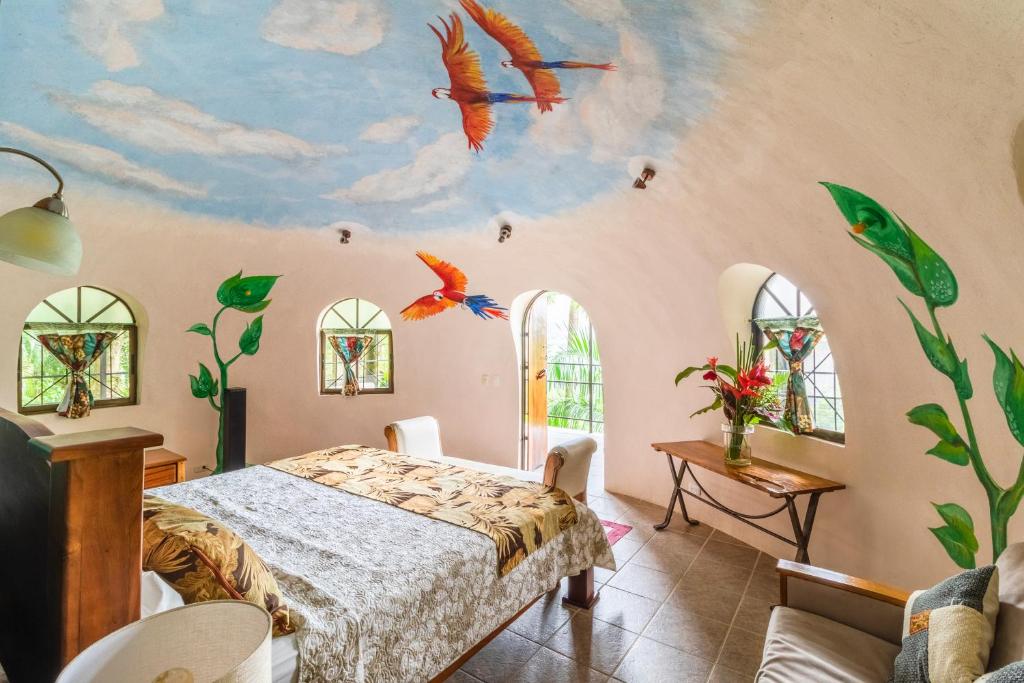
[(904, 269), (933, 416), (939, 283), (962, 381), (955, 453), (248, 291), (940, 353), (197, 389), (249, 342), (224, 291), (205, 377), (957, 537), (202, 385), (879, 226), (200, 328), (1008, 383), (255, 308), (689, 371), (707, 409)]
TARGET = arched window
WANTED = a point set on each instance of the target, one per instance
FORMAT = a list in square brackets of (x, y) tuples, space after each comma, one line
[(356, 353), (43, 379), (786, 312)]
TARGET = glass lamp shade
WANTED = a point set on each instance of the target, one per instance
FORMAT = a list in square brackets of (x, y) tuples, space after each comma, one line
[(40, 239), (221, 641)]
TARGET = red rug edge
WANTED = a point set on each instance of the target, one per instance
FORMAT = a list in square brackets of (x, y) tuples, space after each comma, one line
[(615, 530)]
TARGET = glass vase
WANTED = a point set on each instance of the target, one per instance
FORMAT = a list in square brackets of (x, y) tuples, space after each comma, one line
[(736, 439)]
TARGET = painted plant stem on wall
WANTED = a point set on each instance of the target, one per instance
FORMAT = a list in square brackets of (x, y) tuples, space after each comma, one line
[(925, 274), (248, 295)]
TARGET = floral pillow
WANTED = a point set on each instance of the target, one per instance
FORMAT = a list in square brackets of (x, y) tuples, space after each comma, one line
[(204, 560)]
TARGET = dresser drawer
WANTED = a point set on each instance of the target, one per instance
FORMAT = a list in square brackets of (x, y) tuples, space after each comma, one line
[(161, 475)]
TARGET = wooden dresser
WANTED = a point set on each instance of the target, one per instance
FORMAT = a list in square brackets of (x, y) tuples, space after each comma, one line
[(164, 467)]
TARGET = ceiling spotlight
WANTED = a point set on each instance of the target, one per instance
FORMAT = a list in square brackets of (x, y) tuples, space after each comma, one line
[(505, 232), (645, 176), (346, 235)]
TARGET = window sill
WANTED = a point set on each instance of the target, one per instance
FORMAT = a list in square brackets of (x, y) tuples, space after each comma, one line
[(812, 437)]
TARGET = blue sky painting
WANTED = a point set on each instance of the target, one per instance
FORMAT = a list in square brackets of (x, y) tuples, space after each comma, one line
[(315, 112)]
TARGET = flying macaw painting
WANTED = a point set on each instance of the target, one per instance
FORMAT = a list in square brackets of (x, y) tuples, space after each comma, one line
[(390, 115), (451, 294)]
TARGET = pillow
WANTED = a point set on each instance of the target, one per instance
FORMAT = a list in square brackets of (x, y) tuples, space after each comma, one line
[(204, 560), (948, 629), (1011, 673)]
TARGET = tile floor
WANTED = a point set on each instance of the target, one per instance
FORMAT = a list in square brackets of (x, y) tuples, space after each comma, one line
[(686, 604)]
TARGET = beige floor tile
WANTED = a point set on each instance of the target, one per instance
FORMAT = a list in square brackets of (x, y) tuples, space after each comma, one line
[(724, 675), (726, 538), (602, 575), (504, 655), (548, 667), (766, 563), (742, 651), (604, 508), (753, 614), (624, 609), (640, 533), (729, 553), (461, 676), (692, 633), (639, 580), (592, 642), (623, 550), (707, 573), (764, 585), (652, 662), (707, 601), (541, 621)]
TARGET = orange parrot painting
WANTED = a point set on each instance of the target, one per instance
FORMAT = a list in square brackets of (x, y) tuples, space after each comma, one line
[(469, 87), (452, 294), (525, 55)]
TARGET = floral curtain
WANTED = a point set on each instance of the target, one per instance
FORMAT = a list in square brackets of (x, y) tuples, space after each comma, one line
[(77, 352), (350, 349), (797, 337)]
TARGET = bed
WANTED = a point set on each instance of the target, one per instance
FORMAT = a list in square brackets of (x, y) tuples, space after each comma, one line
[(379, 593)]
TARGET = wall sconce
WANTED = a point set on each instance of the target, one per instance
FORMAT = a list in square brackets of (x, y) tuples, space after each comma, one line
[(41, 237), (346, 235), (505, 232), (645, 176)]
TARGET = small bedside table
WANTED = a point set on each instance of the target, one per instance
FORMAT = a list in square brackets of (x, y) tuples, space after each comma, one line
[(164, 467)]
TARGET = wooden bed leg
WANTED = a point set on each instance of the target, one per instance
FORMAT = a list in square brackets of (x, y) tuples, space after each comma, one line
[(581, 590)]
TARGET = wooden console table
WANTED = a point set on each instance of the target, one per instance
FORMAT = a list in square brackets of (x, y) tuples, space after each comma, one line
[(775, 480)]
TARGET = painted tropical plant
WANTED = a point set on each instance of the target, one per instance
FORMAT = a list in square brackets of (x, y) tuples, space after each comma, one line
[(248, 295), (927, 276)]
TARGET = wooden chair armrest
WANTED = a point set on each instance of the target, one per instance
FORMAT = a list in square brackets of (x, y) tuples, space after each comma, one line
[(843, 582)]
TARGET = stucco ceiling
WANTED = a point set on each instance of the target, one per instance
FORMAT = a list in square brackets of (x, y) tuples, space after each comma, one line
[(319, 112)]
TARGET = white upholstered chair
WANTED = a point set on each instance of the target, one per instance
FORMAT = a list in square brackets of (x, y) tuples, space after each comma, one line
[(419, 437), (567, 465)]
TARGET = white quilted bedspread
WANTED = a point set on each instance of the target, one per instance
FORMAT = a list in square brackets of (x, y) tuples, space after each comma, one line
[(381, 594)]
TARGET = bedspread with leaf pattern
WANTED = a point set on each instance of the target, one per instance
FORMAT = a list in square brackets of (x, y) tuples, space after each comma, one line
[(519, 516)]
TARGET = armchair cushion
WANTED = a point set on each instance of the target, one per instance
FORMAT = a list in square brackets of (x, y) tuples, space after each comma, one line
[(801, 646), (1009, 644), (948, 629)]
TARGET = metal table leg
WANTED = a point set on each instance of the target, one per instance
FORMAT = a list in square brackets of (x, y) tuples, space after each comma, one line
[(802, 532), (677, 494)]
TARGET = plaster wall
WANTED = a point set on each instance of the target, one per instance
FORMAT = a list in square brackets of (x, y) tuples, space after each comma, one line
[(915, 103)]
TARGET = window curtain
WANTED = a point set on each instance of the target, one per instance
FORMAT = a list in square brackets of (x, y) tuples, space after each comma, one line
[(350, 349), (77, 352), (797, 337)]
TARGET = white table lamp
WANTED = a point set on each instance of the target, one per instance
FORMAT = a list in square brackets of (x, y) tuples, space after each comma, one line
[(221, 641)]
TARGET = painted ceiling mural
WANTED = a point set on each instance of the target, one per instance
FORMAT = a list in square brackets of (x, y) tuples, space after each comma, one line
[(392, 114)]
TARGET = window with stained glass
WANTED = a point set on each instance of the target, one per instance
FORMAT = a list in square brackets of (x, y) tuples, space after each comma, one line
[(777, 299), (374, 368), (43, 380)]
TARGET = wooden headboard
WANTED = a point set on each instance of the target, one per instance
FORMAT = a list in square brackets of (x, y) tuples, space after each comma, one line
[(70, 541)]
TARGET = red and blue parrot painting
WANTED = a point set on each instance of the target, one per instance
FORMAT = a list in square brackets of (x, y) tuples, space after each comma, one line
[(525, 55), (452, 294), (469, 87)]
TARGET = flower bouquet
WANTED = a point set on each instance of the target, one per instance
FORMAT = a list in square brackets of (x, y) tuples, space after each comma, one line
[(746, 394)]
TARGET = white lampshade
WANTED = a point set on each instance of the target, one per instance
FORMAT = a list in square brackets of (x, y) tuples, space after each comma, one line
[(40, 239), (221, 641)]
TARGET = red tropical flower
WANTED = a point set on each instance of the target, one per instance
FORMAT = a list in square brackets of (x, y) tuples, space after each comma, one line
[(710, 375)]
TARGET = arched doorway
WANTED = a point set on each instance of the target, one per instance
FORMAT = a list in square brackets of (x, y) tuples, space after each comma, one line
[(563, 387)]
